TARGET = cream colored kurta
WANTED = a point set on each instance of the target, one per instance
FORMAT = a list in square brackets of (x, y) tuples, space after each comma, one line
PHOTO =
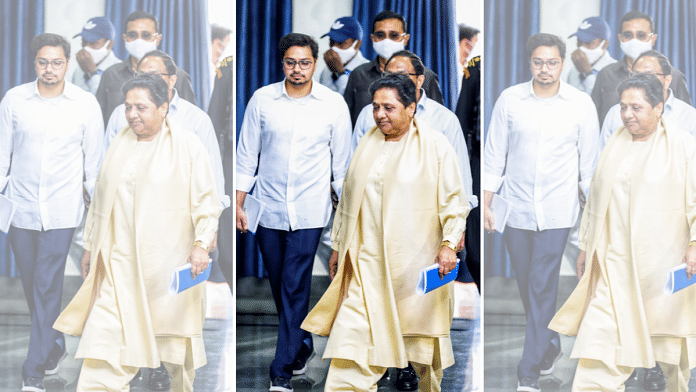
[(152, 200), (399, 201), (638, 221)]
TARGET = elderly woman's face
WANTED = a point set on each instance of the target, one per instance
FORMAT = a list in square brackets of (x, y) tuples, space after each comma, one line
[(144, 117), (391, 117), (639, 117)]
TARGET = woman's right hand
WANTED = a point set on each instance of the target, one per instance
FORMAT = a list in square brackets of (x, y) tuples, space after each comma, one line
[(580, 263), (333, 264), (85, 264)]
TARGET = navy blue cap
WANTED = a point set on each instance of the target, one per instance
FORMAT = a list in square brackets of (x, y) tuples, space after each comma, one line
[(344, 28), (97, 28), (591, 29)]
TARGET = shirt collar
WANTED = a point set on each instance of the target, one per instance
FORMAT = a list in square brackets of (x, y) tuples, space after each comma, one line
[(669, 103), (563, 91), (421, 102), (316, 91), (174, 103), (68, 91)]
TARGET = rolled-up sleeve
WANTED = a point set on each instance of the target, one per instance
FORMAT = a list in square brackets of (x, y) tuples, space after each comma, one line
[(249, 147), (496, 148), (5, 141)]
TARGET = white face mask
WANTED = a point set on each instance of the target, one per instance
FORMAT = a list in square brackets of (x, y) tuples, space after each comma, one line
[(98, 54), (635, 48), (386, 47), (593, 54), (345, 54), (139, 47)]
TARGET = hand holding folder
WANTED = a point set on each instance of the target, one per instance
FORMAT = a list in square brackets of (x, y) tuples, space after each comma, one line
[(429, 278), (7, 210), (181, 278)]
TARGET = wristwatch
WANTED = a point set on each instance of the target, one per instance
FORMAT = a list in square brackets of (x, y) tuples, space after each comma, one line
[(449, 245), (202, 245)]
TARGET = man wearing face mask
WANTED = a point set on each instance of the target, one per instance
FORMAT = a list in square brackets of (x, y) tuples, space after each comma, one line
[(141, 36), (591, 56), (388, 37), (96, 56), (636, 36), (345, 39)]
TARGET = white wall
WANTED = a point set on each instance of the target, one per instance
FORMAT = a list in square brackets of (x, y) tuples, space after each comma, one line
[(66, 17), (315, 17)]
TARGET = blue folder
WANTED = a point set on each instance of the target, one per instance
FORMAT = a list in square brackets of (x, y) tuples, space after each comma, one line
[(429, 279), (677, 280), (182, 280)]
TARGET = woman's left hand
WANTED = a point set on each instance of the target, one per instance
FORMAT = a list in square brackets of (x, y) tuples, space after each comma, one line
[(199, 261), (447, 260), (690, 260)]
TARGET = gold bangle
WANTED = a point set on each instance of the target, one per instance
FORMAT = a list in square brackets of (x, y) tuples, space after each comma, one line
[(449, 245), (202, 245), (692, 243)]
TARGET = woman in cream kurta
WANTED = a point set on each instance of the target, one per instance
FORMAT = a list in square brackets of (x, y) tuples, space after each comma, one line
[(637, 224), (400, 200), (153, 199)]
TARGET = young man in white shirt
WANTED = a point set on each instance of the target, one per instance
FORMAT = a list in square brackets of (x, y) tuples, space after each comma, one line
[(297, 134), (542, 138), (51, 135)]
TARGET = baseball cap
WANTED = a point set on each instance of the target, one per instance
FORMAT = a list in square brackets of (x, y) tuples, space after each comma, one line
[(591, 29), (96, 28), (344, 28)]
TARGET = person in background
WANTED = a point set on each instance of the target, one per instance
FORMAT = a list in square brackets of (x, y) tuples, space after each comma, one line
[(50, 151), (468, 37), (591, 56), (220, 40), (345, 40), (96, 56), (141, 35)]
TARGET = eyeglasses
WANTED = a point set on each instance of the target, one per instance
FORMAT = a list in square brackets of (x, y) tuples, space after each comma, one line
[(387, 73), (641, 36), (551, 64), (55, 64), (152, 73), (145, 35), (290, 63), (634, 74), (393, 35)]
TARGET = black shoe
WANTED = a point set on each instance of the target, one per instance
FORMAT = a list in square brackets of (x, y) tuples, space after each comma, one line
[(281, 384), (547, 364), (528, 384), (56, 356), (138, 376), (33, 384), (654, 379), (632, 379), (159, 379), (299, 365), (406, 379)]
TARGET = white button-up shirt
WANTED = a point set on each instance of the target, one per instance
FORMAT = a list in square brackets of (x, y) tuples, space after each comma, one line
[(190, 117), (438, 118), (536, 149), (52, 145), (297, 145), (677, 112)]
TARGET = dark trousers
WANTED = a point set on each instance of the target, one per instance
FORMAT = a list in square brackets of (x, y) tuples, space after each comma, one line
[(288, 257), (536, 257), (40, 257)]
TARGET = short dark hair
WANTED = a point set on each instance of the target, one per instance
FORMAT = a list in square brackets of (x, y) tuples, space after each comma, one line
[(219, 32), (650, 84), (388, 14), (467, 32), (415, 60), (402, 84), (633, 15), (544, 39), (664, 62), (137, 15), (48, 39), (166, 59), (155, 85), (297, 39)]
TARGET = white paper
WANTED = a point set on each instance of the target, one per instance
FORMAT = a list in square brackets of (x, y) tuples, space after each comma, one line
[(7, 210), (501, 211), (253, 208)]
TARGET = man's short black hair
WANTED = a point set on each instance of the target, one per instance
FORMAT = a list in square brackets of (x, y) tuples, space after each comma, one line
[(415, 60), (402, 84), (650, 84), (544, 39), (154, 84), (467, 32), (633, 15), (664, 62), (388, 14), (297, 39), (48, 39), (137, 15), (219, 32), (166, 59)]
